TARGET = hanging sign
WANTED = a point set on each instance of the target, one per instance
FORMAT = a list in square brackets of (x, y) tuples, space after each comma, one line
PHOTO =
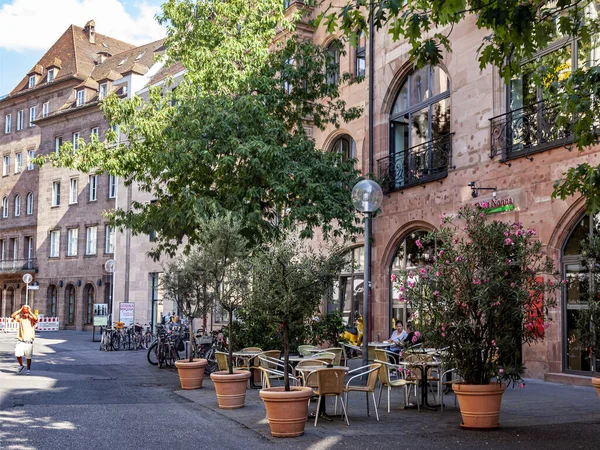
[(495, 206), (126, 313)]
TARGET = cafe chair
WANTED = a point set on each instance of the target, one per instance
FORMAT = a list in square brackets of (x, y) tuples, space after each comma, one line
[(306, 377), (386, 379), (447, 384), (372, 373), (224, 364), (330, 382), (269, 374), (325, 356), (305, 350), (337, 351)]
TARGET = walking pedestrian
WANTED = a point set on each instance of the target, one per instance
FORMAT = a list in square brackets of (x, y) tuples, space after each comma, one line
[(25, 336)]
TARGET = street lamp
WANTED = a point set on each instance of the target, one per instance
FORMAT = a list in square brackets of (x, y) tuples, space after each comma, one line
[(366, 198)]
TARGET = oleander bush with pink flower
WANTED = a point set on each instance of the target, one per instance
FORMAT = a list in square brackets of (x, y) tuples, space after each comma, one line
[(484, 294)]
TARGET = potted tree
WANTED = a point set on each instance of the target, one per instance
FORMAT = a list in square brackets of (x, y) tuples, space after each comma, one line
[(227, 265), (289, 283), (481, 297), (185, 281)]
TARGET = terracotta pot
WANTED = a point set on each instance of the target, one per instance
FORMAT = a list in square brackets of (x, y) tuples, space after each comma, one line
[(231, 389), (191, 374), (479, 404), (286, 411), (596, 383)]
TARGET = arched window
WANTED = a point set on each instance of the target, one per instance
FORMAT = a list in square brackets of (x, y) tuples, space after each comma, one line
[(348, 291), (70, 300), (332, 71), (420, 144), (52, 300), (5, 207), (345, 146), (29, 206), (88, 298), (10, 300), (17, 205), (408, 256)]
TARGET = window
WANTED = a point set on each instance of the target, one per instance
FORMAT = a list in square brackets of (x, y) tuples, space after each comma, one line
[(56, 193), (333, 65), (93, 188), (73, 192), (45, 109), (287, 86), (109, 245), (76, 141), (32, 114), (55, 244), (29, 251), (50, 78), (30, 157), (348, 289), (116, 130), (102, 91), (29, 204), (152, 236), (90, 240), (20, 119), (112, 186), (57, 144), (53, 299), (31, 81), (18, 162), (7, 123), (5, 207), (94, 131), (70, 297), (420, 144), (345, 147), (6, 165), (17, 205), (80, 97), (72, 235), (89, 301), (361, 47)]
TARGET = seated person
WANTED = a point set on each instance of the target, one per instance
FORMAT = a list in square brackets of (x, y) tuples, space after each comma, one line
[(398, 336)]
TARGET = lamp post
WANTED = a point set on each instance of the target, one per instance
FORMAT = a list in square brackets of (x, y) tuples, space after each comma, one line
[(366, 198), (109, 266)]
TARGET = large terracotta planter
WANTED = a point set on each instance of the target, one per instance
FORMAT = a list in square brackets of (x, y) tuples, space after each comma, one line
[(596, 383), (479, 404), (231, 389), (286, 411), (191, 374)]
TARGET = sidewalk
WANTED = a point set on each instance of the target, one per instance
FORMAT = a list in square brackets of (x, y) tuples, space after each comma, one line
[(537, 406)]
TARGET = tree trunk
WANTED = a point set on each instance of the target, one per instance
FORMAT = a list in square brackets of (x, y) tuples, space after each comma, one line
[(230, 341), (286, 357), (191, 320), (204, 293)]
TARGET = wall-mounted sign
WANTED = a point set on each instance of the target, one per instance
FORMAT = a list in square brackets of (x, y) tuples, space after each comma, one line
[(100, 314), (126, 313), (495, 206)]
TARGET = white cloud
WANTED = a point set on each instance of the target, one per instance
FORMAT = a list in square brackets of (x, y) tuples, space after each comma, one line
[(35, 24)]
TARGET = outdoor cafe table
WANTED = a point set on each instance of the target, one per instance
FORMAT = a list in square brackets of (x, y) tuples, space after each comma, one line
[(308, 369), (423, 367), (247, 356), (375, 345)]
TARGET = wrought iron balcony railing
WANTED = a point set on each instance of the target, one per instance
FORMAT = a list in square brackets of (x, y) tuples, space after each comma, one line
[(422, 163), (526, 130), (18, 265)]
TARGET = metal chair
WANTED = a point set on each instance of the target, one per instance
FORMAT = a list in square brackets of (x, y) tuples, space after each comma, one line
[(328, 357), (330, 382), (223, 363), (385, 380), (306, 377), (337, 351), (305, 350), (372, 371), (268, 374)]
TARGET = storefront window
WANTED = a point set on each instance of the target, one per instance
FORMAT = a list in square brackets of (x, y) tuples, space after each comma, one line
[(348, 291)]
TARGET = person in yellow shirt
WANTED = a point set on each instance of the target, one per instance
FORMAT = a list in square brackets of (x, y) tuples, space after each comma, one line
[(25, 336)]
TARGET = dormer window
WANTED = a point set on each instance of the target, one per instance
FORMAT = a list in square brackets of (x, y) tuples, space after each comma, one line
[(31, 81), (80, 97), (122, 62), (50, 78), (102, 91)]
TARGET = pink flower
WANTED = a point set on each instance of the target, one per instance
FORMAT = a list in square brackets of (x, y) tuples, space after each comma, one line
[(506, 233), (455, 241), (500, 370), (476, 281), (411, 284), (401, 288), (417, 334), (508, 241), (411, 274), (394, 277), (546, 325), (422, 271), (418, 243), (481, 215), (508, 261), (512, 284), (563, 281), (551, 283), (414, 339), (436, 293), (518, 232), (484, 205), (521, 385), (493, 342), (443, 334), (441, 253), (437, 274), (458, 259), (401, 298)]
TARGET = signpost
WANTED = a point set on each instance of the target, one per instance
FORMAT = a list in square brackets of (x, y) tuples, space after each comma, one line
[(126, 313)]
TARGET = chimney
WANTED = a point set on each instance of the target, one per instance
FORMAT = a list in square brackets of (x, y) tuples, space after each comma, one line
[(90, 31)]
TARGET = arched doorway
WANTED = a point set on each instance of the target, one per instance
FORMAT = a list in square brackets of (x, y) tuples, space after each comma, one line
[(10, 301), (407, 256), (574, 297), (348, 291), (70, 305), (51, 311), (88, 301)]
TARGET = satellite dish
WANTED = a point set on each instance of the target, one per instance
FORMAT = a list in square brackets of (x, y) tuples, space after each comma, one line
[(27, 278), (109, 265)]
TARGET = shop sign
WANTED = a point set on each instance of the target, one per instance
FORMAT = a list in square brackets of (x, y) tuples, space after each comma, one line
[(126, 313), (495, 206)]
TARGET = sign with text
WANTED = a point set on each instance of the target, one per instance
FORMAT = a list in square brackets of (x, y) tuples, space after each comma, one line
[(100, 314), (126, 313), (495, 206)]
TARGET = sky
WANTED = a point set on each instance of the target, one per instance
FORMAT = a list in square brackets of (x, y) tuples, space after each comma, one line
[(28, 28)]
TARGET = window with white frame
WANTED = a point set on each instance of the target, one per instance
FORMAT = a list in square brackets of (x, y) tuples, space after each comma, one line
[(73, 192), (31, 81), (112, 186), (117, 131), (95, 131), (5, 207), (55, 244), (103, 91), (32, 114), (45, 109), (80, 97), (20, 119), (7, 123), (18, 162), (17, 205), (6, 165), (56, 193), (72, 236), (76, 141), (90, 240), (57, 144), (29, 204), (50, 78), (93, 188), (30, 158), (109, 245)]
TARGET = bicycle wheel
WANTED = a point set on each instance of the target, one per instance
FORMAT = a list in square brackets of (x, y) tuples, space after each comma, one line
[(147, 340), (153, 354), (116, 341)]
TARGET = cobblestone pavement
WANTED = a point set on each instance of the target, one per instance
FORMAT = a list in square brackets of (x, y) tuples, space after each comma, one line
[(78, 397)]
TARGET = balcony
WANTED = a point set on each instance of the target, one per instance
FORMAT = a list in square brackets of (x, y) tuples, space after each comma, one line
[(420, 164), (18, 265), (527, 130)]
